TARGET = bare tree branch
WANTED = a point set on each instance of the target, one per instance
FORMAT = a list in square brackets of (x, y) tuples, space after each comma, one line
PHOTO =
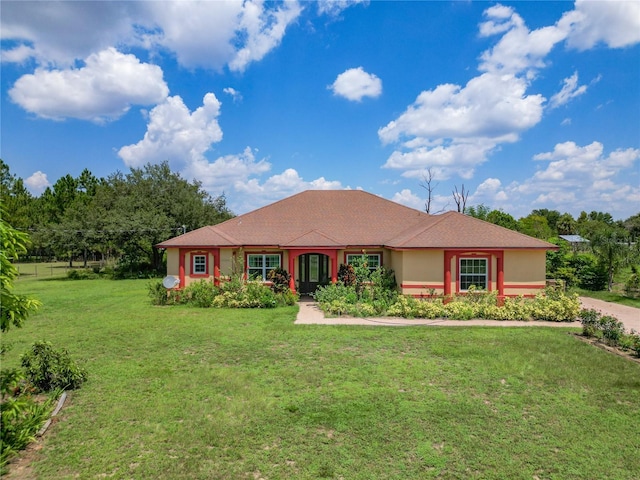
[(460, 198), (427, 184)]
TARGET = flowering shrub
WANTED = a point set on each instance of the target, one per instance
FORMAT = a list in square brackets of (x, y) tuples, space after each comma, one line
[(553, 305), (235, 293)]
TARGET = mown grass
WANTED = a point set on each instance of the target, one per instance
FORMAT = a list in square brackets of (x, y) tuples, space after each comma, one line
[(615, 297), (185, 393)]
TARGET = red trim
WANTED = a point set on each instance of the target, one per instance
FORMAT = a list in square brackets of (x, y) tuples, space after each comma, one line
[(524, 285), (473, 256), (500, 275), (329, 252), (448, 256), (486, 253), (192, 256), (181, 271), (424, 285), (182, 254)]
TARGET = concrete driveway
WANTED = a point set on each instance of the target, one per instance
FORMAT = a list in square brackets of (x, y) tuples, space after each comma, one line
[(628, 315), (309, 313)]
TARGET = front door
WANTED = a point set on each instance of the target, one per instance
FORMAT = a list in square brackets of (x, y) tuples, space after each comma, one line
[(314, 271)]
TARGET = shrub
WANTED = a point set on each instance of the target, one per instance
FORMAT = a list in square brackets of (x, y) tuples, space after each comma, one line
[(589, 319), (287, 298), (21, 416), (632, 285), (346, 275), (200, 294), (612, 330), (280, 279), (160, 295), (238, 294), (82, 274), (635, 342), (554, 305), (593, 277), (48, 369)]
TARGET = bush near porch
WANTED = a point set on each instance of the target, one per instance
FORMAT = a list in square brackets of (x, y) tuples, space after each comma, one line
[(235, 293), (551, 305)]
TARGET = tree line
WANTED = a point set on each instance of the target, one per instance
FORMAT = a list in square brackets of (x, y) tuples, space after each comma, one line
[(609, 245), (119, 218)]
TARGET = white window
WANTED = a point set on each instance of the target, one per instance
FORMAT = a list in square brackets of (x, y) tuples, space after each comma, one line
[(199, 265), (258, 266), (373, 260), (473, 271)]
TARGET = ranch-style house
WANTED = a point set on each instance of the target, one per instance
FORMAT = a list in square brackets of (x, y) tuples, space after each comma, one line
[(311, 233)]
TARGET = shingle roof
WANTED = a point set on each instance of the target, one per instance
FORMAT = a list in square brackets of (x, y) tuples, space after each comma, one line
[(351, 218)]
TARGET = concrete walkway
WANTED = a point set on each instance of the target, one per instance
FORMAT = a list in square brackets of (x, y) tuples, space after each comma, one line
[(310, 314)]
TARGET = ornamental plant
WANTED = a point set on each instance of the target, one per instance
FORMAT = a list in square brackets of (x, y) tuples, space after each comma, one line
[(48, 369)]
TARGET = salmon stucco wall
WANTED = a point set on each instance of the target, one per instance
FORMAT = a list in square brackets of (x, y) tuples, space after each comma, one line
[(422, 272), (524, 272), (173, 262)]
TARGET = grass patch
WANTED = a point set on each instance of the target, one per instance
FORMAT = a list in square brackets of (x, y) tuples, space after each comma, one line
[(185, 393), (614, 297)]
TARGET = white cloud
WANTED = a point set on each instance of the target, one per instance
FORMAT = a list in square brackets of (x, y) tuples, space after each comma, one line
[(252, 194), (176, 134), (490, 193), (354, 84), (201, 34), (439, 203), (58, 33), (458, 126), (226, 170), (335, 7), (569, 91), (233, 93), (37, 182), (615, 23), (519, 50), (264, 29), (103, 89), (409, 199), (582, 178), (459, 158), (18, 54)]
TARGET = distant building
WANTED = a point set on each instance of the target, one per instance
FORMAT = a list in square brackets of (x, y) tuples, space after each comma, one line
[(577, 242)]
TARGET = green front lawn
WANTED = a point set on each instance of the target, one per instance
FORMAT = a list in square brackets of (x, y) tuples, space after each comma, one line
[(186, 393), (615, 297)]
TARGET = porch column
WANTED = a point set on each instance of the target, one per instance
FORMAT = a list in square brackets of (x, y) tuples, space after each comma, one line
[(216, 267), (181, 254), (292, 281), (334, 266), (500, 276), (447, 272)]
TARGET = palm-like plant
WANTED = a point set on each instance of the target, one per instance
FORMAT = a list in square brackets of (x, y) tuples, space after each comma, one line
[(611, 249)]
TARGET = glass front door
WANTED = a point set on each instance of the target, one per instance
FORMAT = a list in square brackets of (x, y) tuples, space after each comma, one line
[(313, 269)]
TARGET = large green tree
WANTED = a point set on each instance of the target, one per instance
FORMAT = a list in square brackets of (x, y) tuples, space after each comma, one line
[(14, 308), (535, 226), (16, 199), (151, 204)]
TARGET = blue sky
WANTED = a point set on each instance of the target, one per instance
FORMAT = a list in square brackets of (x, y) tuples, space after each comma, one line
[(527, 104)]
